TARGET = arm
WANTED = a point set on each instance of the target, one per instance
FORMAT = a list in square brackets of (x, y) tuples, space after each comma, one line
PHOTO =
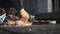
[(17, 6)]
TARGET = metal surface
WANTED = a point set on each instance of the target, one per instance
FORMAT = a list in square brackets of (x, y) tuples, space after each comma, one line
[(37, 29)]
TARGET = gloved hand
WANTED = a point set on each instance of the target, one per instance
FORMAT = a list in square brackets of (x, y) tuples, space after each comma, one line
[(31, 17)]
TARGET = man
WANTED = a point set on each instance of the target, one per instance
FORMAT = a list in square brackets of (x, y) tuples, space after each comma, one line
[(6, 4), (17, 6)]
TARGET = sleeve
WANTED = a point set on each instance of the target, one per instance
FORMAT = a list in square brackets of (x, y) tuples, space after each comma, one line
[(17, 6)]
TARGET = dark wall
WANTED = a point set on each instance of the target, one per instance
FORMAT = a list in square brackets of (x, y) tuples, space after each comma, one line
[(30, 6), (56, 5), (10, 4), (6, 3), (36, 6)]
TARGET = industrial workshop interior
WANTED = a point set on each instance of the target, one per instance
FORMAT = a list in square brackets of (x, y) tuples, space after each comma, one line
[(29, 17)]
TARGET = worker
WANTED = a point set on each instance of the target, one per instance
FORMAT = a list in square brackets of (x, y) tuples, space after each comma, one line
[(7, 4)]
